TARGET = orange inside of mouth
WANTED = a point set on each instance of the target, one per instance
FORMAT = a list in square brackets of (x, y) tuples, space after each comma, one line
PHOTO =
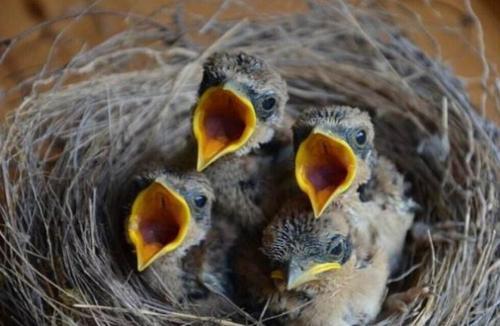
[(224, 120), (325, 166), (158, 223)]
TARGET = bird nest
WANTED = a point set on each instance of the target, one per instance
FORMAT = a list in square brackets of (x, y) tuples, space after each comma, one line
[(83, 130)]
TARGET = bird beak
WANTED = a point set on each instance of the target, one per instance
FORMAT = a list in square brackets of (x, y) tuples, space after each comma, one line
[(158, 223), (295, 275), (224, 119), (325, 166)]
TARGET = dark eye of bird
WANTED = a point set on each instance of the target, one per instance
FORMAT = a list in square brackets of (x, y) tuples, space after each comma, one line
[(337, 249), (200, 200), (361, 137), (268, 103)]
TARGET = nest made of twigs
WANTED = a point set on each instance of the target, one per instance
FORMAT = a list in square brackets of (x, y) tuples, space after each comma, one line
[(85, 129)]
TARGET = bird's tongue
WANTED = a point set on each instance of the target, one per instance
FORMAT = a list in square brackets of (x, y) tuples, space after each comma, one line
[(160, 229), (223, 129), (158, 232), (325, 180), (327, 176)]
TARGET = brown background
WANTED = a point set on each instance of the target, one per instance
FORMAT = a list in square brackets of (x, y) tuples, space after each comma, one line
[(447, 20)]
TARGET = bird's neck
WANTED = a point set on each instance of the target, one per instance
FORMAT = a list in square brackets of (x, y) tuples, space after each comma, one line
[(171, 265), (165, 277)]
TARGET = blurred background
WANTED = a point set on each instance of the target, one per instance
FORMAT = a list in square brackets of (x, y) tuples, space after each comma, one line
[(44, 34)]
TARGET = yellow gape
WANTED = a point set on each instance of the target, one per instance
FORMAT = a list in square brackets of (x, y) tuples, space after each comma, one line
[(325, 166), (224, 119), (158, 223)]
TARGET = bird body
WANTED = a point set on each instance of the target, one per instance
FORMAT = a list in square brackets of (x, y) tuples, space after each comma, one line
[(240, 182), (354, 193), (208, 280), (374, 200), (241, 103), (171, 228), (391, 210), (348, 295), (167, 276), (197, 281), (246, 189)]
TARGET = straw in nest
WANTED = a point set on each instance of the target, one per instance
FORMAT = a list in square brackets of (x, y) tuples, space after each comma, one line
[(66, 151)]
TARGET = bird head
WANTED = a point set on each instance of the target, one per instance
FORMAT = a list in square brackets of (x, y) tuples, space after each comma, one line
[(304, 249), (170, 214), (333, 147), (241, 99)]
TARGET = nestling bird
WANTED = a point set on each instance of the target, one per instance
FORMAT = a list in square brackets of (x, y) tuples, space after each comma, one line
[(336, 164), (334, 154), (170, 229), (241, 103), (320, 277)]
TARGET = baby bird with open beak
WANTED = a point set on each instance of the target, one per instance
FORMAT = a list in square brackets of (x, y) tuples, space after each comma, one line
[(241, 103), (336, 165), (320, 278), (334, 154), (170, 228)]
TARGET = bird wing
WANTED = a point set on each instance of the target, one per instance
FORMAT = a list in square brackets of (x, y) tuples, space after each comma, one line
[(391, 211)]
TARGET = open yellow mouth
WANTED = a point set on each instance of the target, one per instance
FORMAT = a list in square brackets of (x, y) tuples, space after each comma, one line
[(224, 120), (325, 166), (158, 223)]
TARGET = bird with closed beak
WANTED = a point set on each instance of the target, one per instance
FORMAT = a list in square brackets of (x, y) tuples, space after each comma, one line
[(320, 278), (170, 228), (336, 164)]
